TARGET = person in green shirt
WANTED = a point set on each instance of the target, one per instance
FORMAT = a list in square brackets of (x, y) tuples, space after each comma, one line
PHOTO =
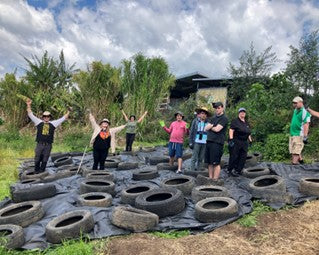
[(299, 128), (131, 129)]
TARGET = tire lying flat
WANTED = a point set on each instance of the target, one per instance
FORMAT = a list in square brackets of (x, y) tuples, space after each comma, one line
[(309, 186), (215, 209), (129, 194), (163, 201), (97, 199), (253, 172), (182, 182), (34, 192), (12, 236), (22, 214), (205, 191), (69, 225), (145, 174), (94, 185)]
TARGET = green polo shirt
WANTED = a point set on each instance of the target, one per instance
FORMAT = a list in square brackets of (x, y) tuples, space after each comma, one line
[(299, 118)]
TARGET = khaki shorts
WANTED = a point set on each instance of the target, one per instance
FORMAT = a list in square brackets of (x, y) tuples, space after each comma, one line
[(295, 144)]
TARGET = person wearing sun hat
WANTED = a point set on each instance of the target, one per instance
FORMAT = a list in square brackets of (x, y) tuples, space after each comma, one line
[(45, 136), (101, 140), (198, 137), (299, 128), (239, 136), (177, 130)]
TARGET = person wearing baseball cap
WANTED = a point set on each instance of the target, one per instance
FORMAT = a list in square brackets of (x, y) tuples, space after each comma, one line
[(216, 130), (45, 136), (101, 140), (239, 136), (198, 137), (299, 128)]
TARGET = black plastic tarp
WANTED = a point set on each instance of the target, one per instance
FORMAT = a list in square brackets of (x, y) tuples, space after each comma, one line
[(68, 192)]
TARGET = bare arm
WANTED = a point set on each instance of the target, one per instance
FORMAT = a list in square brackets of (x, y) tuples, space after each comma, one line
[(92, 120), (313, 113), (142, 117), (125, 117), (231, 133), (305, 129), (250, 139), (34, 119)]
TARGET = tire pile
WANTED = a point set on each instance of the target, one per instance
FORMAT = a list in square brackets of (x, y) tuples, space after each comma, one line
[(135, 195)]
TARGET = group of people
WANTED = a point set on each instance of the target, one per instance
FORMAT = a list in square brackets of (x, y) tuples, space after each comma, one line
[(206, 137), (103, 137)]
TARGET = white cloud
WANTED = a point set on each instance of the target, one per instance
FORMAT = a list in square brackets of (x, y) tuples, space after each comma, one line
[(191, 35)]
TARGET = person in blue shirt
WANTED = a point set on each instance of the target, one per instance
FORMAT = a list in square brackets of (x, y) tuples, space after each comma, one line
[(198, 137)]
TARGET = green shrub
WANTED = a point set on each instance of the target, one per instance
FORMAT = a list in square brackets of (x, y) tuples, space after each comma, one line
[(276, 147)]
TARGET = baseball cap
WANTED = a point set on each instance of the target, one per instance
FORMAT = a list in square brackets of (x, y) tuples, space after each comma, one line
[(242, 109), (217, 104), (297, 99)]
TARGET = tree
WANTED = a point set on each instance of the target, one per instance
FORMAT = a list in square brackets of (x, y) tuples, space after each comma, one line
[(303, 65), (99, 89), (144, 83), (50, 81), (252, 68)]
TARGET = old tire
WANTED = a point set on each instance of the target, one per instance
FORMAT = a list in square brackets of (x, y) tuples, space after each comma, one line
[(258, 155), (309, 186), (166, 166), (184, 183), (22, 214), (147, 149), (33, 175), (100, 175), (57, 155), (145, 174), (196, 173), (12, 236), (58, 175), (34, 192), (67, 160), (30, 181), (129, 194), (97, 199), (158, 159), (215, 209), (251, 161), (205, 191), (94, 185), (253, 172), (111, 163), (69, 225), (127, 166), (163, 201), (205, 180), (133, 219), (267, 185)]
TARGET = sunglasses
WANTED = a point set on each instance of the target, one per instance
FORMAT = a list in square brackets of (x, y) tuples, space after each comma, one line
[(46, 116), (294, 102)]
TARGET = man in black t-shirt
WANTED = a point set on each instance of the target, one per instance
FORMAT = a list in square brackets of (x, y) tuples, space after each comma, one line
[(216, 130)]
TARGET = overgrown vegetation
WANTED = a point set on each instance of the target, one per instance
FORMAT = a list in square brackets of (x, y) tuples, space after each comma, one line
[(172, 234), (250, 219)]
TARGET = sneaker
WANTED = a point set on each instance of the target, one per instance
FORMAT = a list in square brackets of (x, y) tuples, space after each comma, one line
[(179, 171)]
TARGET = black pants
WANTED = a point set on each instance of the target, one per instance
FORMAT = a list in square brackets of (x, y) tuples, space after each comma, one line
[(237, 156), (42, 154), (129, 141), (99, 157)]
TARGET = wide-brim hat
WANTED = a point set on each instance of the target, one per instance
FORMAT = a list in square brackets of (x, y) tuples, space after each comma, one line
[(180, 113), (203, 109), (105, 120), (46, 113)]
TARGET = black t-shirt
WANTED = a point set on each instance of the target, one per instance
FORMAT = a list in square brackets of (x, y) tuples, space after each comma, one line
[(241, 129), (101, 143), (217, 137)]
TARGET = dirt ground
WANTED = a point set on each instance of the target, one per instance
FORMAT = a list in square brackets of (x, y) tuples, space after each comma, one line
[(294, 231)]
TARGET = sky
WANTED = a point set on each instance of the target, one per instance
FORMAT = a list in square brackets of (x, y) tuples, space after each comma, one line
[(191, 35)]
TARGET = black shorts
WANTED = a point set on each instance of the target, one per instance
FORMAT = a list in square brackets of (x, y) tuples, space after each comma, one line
[(213, 153)]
